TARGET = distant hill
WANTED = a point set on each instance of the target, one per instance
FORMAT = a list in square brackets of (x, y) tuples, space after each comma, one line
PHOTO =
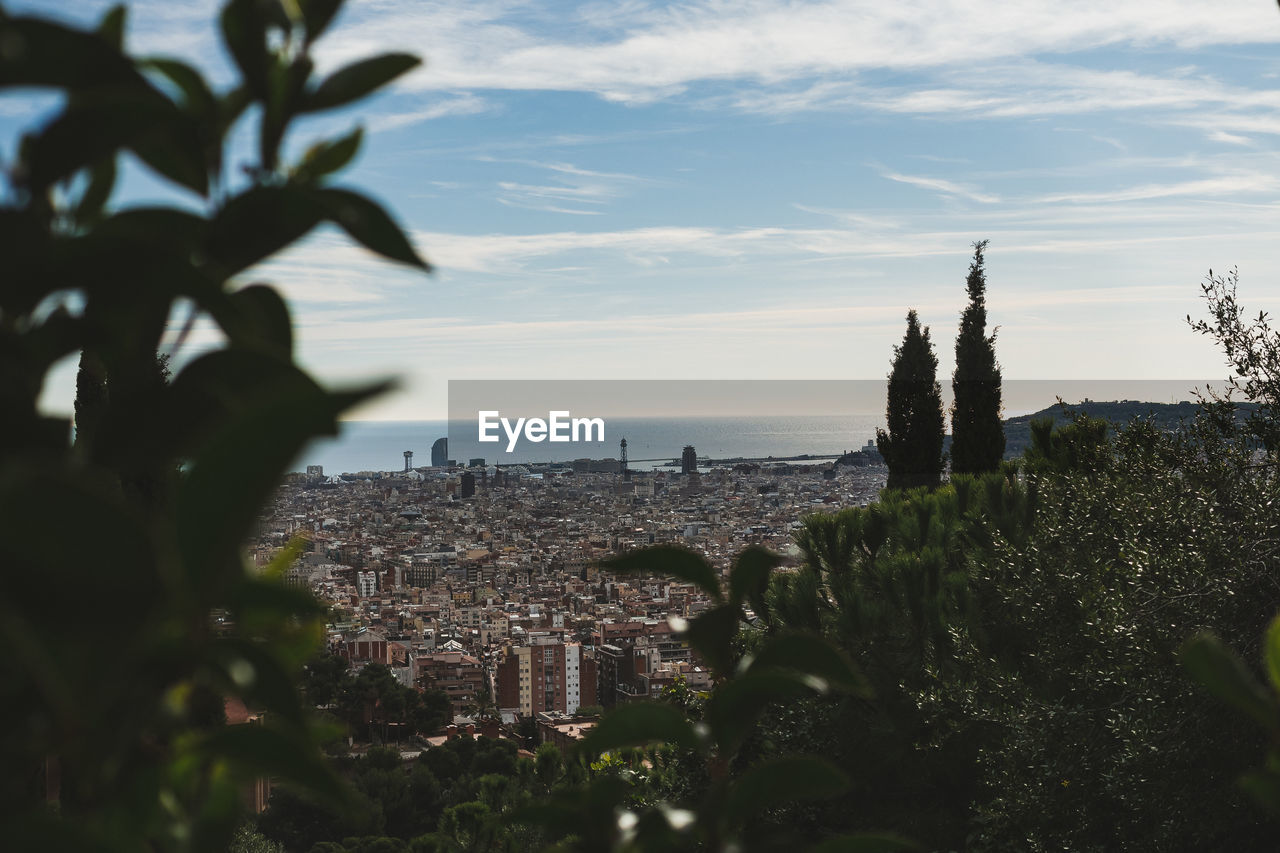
[(1167, 416)]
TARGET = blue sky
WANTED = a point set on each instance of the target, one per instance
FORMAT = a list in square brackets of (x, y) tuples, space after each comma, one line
[(762, 189)]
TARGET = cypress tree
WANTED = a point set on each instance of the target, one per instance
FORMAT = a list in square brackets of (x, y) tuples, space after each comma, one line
[(91, 400), (977, 435), (912, 448)]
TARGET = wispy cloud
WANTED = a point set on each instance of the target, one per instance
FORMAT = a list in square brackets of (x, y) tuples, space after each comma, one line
[(781, 56), (662, 49), (1229, 185), (530, 202), (1229, 138), (569, 184), (941, 185), (459, 105)]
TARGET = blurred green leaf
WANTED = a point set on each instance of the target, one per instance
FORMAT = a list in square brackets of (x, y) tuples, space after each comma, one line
[(369, 225), (806, 653), (106, 527), (244, 32), (262, 317), (749, 576), (1225, 676), (43, 831), (586, 814), (241, 464), (102, 180), (639, 724), (866, 842), (111, 27), (712, 633), (736, 705), (679, 563), (256, 675), (231, 106), (1263, 786), (167, 475), (272, 598), (1271, 652), (135, 117), (43, 53), (327, 157), (178, 230), (195, 91), (317, 15), (780, 781), (179, 160), (359, 79), (258, 223), (262, 750)]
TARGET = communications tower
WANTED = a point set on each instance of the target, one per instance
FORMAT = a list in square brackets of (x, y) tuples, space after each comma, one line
[(622, 461)]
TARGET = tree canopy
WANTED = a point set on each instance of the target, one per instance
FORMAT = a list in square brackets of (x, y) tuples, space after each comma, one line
[(977, 434), (912, 446)]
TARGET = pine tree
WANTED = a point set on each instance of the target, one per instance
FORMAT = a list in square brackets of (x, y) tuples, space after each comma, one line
[(977, 434), (912, 448)]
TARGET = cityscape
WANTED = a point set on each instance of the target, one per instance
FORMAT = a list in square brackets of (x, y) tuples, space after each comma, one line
[(639, 427), (449, 574)]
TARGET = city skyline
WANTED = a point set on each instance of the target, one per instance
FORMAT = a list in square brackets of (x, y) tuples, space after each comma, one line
[(762, 190)]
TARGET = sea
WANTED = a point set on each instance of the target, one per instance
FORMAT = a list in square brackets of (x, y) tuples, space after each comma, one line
[(380, 445), (658, 440)]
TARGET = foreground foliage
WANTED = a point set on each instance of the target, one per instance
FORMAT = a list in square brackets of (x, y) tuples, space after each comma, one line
[(1021, 633), (114, 711)]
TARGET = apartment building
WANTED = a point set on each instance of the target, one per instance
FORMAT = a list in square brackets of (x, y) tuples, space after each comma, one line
[(546, 677)]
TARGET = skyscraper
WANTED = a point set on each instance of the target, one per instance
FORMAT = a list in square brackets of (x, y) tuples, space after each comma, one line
[(688, 460), (440, 453)]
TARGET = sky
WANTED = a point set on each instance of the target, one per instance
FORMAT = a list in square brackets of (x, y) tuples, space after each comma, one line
[(761, 189)]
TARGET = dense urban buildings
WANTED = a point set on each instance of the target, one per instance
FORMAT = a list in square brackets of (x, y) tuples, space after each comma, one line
[(485, 583)]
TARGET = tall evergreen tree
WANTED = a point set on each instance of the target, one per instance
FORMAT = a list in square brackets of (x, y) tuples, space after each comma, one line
[(912, 447), (977, 435)]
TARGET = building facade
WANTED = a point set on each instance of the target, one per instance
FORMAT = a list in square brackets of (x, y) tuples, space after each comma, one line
[(549, 677), (458, 674)]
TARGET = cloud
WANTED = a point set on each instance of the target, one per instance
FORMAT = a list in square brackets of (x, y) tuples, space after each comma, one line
[(943, 186), (661, 51), (570, 184), (1217, 186), (547, 207), (944, 57), (1229, 138), (459, 105)]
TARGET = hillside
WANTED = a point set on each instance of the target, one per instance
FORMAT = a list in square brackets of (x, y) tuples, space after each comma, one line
[(1167, 416)]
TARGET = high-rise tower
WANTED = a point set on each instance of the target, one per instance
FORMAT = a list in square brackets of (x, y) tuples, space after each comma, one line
[(688, 460)]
